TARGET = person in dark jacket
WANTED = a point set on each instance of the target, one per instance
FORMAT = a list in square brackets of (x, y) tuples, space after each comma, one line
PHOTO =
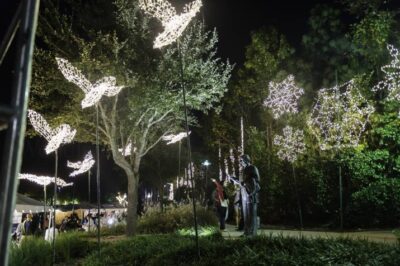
[(251, 183)]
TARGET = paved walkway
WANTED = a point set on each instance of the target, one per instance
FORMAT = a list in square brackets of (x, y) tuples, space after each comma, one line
[(374, 236)]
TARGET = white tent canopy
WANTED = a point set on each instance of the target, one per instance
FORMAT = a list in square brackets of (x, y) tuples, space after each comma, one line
[(25, 204)]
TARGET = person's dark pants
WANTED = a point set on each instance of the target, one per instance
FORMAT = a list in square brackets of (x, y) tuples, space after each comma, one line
[(221, 212)]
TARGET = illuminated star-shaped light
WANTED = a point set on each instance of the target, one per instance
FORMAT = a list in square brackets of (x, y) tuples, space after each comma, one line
[(82, 166), (93, 92), (339, 117), (290, 145), (44, 180), (391, 81), (283, 97), (55, 137), (171, 139), (173, 24)]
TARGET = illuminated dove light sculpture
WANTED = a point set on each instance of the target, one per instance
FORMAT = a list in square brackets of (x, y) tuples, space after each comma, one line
[(55, 137), (122, 199), (93, 92), (127, 151), (290, 145), (283, 97), (171, 139), (173, 24), (44, 180), (82, 166), (391, 81)]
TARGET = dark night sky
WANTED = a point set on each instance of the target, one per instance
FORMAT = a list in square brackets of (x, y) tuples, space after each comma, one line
[(234, 21)]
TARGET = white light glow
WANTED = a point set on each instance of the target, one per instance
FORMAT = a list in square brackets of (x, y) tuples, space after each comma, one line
[(93, 92), (55, 137), (122, 200), (283, 97), (290, 145), (127, 151), (171, 139), (82, 166), (44, 180), (391, 81), (173, 24), (339, 117)]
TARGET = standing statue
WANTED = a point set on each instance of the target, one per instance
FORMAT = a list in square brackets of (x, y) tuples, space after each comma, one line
[(251, 188)]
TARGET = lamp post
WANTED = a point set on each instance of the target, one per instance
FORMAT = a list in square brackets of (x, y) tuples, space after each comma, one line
[(206, 164)]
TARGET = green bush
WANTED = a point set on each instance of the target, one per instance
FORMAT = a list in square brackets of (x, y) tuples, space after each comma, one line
[(175, 250), (37, 251), (154, 221), (135, 251), (118, 229), (72, 245), (31, 251)]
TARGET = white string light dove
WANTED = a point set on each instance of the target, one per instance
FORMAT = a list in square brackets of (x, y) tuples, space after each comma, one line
[(173, 24), (44, 180), (283, 97), (339, 118), (93, 92), (391, 81), (290, 145), (127, 151), (55, 137), (171, 139), (82, 166)]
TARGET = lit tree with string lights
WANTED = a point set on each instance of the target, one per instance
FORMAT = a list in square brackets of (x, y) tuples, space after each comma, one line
[(338, 119), (55, 137), (151, 105), (283, 97), (290, 145)]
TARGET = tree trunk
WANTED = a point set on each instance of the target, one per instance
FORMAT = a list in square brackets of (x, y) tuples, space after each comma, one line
[(133, 185)]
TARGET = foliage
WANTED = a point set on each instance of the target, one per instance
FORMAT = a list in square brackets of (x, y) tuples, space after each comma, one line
[(151, 104), (72, 245), (31, 251), (37, 251), (174, 218), (118, 229), (173, 250)]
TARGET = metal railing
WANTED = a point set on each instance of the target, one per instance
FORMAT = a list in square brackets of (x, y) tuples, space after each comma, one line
[(13, 114)]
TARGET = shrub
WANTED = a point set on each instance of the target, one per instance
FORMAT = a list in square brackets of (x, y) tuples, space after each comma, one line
[(31, 251), (72, 245), (154, 221), (175, 250), (118, 229), (37, 251)]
